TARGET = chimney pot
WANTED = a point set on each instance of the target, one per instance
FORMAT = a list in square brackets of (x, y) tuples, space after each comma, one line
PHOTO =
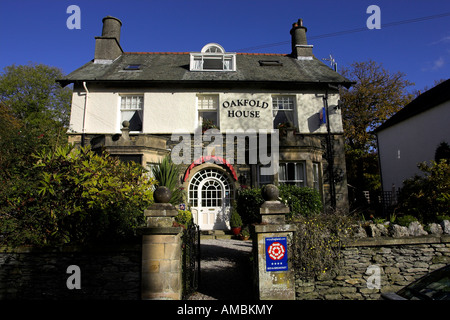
[(111, 27), (300, 48), (107, 47)]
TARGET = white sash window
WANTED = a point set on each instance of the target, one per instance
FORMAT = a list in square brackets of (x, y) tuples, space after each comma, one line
[(292, 173), (131, 109), (283, 111)]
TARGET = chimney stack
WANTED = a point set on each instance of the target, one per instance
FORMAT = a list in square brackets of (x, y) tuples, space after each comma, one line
[(300, 48), (107, 47)]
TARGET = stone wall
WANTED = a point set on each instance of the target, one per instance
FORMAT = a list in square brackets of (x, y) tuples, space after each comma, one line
[(399, 262), (106, 272)]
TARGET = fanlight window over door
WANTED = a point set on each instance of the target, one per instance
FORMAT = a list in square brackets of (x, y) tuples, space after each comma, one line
[(216, 190)]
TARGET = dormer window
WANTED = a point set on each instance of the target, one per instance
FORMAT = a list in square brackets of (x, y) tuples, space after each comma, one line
[(213, 58)]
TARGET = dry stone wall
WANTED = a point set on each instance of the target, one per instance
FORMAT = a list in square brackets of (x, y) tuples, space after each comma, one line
[(383, 259), (105, 272)]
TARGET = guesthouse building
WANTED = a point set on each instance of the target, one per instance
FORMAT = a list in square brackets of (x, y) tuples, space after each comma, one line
[(232, 120)]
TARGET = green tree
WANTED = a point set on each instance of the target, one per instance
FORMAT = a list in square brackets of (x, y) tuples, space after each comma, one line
[(34, 114), (33, 95), (377, 95)]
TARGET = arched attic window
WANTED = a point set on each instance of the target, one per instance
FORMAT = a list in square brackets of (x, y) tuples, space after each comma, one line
[(213, 48), (213, 58)]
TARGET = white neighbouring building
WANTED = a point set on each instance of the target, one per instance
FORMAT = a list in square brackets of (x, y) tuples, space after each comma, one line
[(412, 135), (162, 93)]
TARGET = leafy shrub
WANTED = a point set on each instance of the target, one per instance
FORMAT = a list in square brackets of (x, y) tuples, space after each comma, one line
[(235, 219), (248, 202), (428, 196), (184, 217), (441, 218), (318, 242), (73, 195), (405, 220), (301, 201)]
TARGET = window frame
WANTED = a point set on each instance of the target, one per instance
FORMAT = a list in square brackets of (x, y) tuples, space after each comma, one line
[(131, 95), (197, 59), (293, 110), (201, 109), (316, 176), (297, 182)]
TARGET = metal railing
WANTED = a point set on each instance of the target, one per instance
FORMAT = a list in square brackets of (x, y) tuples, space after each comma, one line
[(191, 260)]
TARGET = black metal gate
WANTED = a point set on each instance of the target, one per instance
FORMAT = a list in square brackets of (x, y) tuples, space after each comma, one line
[(191, 260)]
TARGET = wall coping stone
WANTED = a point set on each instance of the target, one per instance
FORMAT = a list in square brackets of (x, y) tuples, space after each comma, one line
[(273, 207), (73, 248), (267, 228), (161, 210), (389, 241), (159, 230)]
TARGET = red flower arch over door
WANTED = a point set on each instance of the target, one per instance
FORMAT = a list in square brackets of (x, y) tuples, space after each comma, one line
[(211, 159)]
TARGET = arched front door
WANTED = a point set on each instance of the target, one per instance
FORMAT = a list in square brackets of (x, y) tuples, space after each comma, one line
[(210, 194)]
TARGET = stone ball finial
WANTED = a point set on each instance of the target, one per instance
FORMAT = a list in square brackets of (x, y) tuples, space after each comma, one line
[(270, 192), (126, 124), (162, 195)]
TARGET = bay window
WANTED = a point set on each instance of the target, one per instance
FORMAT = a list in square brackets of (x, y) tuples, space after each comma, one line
[(292, 173)]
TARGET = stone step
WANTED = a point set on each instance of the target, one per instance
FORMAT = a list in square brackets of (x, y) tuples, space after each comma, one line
[(216, 234)]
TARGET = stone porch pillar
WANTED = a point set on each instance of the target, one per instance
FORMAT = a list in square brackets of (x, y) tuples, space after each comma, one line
[(272, 249), (161, 251)]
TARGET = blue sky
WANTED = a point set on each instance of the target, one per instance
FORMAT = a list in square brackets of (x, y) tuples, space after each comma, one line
[(36, 31)]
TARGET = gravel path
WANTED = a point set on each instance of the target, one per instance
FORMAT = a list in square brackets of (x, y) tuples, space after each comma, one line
[(225, 270)]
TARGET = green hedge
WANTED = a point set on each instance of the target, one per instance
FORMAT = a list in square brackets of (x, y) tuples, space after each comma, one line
[(301, 201)]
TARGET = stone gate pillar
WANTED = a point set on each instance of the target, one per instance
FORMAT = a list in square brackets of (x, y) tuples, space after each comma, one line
[(161, 251), (272, 249)]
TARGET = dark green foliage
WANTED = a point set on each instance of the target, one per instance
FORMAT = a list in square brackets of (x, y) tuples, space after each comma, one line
[(427, 196), (248, 202), (405, 220), (34, 114), (33, 96), (442, 152), (74, 196), (235, 219), (301, 201)]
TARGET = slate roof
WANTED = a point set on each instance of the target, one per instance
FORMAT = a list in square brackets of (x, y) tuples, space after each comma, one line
[(426, 101), (174, 67)]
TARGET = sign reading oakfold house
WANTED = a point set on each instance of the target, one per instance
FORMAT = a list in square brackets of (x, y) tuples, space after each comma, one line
[(247, 108), (137, 105)]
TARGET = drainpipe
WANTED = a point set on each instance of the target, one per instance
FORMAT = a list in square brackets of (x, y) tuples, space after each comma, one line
[(83, 133), (330, 153)]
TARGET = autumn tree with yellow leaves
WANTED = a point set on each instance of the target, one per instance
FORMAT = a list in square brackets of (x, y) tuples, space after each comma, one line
[(375, 97)]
